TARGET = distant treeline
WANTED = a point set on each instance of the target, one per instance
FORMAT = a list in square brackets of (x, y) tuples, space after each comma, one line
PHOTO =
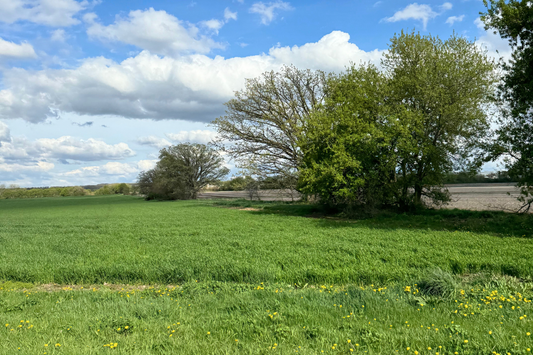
[(465, 178), (13, 191)]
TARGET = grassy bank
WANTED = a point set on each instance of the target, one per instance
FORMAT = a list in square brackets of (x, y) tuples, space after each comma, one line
[(220, 318)]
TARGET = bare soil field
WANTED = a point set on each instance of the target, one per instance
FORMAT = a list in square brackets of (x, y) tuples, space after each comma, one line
[(497, 196)]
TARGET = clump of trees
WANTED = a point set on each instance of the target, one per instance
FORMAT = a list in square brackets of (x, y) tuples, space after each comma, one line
[(390, 137), (14, 191), (115, 189), (368, 137), (182, 171)]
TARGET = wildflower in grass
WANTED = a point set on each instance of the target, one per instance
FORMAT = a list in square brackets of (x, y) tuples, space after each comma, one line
[(528, 333), (466, 341)]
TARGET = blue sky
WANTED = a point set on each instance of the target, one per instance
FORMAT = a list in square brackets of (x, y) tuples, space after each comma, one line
[(91, 90)]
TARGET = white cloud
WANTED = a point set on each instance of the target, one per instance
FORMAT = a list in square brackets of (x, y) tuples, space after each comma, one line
[(156, 31), (495, 46), (57, 13), (58, 35), (453, 19), (13, 50), (189, 87), (420, 12), (144, 165), (111, 168), (228, 15), (268, 11), (63, 148), (78, 149), (41, 166), (5, 135), (446, 6), (198, 136), (213, 25), (154, 141)]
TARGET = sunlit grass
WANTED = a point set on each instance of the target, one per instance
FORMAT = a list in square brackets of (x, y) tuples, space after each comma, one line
[(80, 276)]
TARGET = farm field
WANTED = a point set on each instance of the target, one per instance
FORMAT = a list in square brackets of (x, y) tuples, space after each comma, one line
[(94, 275), (481, 196)]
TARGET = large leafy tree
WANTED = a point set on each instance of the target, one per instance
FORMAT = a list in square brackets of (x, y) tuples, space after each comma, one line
[(390, 138), (266, 119), (514, 21), (447, 87), (349, 146), (182, 171)]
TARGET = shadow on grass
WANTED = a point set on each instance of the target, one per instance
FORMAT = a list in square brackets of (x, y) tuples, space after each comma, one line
[(497, 223)]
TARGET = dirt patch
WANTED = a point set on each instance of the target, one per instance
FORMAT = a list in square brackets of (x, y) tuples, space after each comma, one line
[(52, 287), (250, 209)]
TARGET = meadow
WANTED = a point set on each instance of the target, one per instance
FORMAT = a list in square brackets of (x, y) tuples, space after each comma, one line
[(91, 275)]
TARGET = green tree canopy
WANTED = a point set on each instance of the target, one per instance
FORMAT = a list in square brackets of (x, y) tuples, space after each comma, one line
[(182, 171), (391, 137)]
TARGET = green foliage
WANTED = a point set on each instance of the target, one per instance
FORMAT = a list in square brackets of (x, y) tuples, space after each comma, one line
[(182, 171), (389, 139), (105, 190), (514, 21), (17, 192), (238, 183)]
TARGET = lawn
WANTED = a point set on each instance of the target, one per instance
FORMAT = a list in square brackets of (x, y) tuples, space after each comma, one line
[(220, 277)]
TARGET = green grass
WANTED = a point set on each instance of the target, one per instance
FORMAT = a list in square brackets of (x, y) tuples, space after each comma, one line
[(121, 239), (221, 318), (268, 276)]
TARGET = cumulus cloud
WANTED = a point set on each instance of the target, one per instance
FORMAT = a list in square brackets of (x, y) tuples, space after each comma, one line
[(268, 12), (213, 25), (115, 169), (13, 50), (5, 134), (415, 11), (57, 13), (111, 168), (153, 141), (156, 31), (41, 166), (189, 87), (78, 149), (144, 165), (453, 19), (198, 136), (21, 149)]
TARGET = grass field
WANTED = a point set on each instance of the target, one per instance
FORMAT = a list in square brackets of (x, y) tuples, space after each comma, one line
[(219, 277)]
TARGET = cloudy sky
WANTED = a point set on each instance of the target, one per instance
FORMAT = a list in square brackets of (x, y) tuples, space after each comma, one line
[(91, 90)]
